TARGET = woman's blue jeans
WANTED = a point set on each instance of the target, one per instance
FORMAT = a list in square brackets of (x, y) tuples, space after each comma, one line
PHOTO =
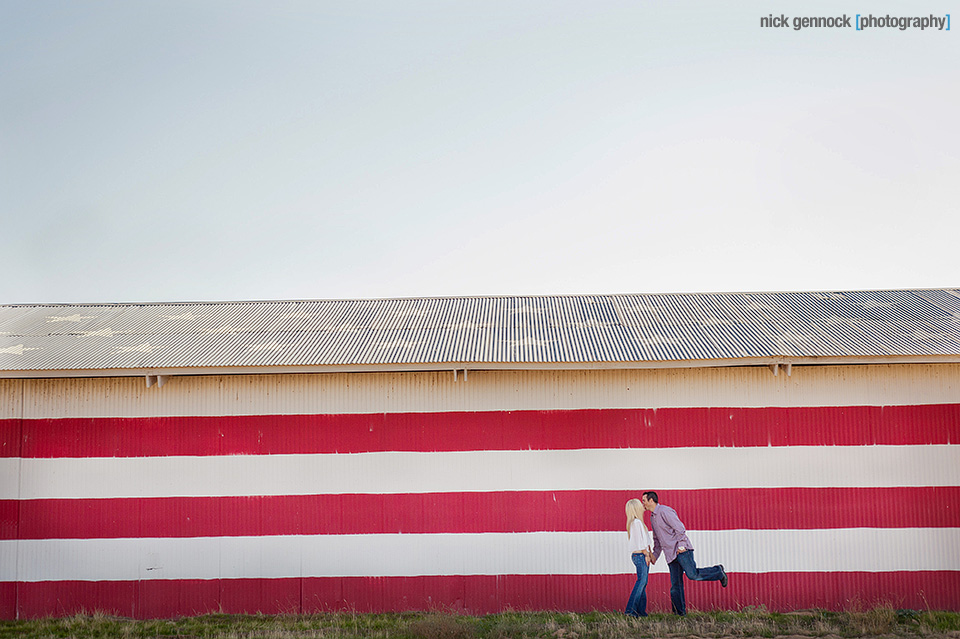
[(637, 603)]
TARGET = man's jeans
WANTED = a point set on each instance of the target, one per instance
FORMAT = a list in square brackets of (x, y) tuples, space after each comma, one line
[(637, 603), (684, 563)]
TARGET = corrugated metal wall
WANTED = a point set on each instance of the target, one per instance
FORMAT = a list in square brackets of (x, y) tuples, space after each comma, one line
[(11, 409), (410, 490), (486, 391)]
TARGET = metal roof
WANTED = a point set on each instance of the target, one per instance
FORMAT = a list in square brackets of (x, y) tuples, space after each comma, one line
[(482, 332)]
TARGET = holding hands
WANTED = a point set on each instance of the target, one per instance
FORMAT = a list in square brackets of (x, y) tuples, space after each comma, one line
[(649, 555)]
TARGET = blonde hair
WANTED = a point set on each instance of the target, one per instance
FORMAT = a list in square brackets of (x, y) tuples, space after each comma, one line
[(634, 511)]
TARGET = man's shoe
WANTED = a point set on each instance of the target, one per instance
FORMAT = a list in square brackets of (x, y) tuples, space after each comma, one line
[(723, 577)]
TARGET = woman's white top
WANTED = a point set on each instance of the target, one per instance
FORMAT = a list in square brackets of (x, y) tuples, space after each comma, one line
[(639, 537)]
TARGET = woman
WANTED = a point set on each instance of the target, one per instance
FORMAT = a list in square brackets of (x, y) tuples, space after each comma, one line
[(640, 553)]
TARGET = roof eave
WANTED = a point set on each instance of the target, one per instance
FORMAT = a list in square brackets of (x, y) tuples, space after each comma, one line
[(481, 366)]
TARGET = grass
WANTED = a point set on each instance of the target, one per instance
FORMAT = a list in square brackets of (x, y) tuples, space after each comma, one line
[(750, 622)]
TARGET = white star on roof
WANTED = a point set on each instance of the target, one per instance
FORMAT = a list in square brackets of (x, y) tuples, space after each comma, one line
[(142, 348), (465, 326), (105, 332), (17, 350), (76, 317)]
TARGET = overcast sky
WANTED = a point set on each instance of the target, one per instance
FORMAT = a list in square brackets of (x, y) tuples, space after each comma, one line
[(190, 150)]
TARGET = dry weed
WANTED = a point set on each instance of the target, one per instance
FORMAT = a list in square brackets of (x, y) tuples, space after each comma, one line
[(440, 626), (750, 622)]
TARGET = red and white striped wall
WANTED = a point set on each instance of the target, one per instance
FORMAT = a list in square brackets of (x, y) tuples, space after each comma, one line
[(832, 487)]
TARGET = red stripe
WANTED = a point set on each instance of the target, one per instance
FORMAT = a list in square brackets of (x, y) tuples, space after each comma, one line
[(477, 594), (9, 518), (520, 430), (8, 600), (721, 509), (10, 438)]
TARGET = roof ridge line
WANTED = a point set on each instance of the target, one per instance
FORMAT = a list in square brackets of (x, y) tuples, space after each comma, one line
[(950, 290)]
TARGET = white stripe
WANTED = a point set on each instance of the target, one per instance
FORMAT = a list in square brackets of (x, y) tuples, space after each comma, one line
[(540, 553), (335, 393), (479, 471), (10, 477)]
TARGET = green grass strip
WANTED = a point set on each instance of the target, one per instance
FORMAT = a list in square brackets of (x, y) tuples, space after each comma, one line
[(750, 622)]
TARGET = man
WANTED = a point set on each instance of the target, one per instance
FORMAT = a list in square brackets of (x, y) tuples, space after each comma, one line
[(670, 537)]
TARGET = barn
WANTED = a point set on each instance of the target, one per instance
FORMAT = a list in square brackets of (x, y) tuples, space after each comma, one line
[(475, 453)]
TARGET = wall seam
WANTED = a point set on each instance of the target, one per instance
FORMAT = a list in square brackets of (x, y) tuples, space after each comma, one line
[(16, 587)]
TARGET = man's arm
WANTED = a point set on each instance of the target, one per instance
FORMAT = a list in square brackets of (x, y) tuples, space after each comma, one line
[(672, 521)]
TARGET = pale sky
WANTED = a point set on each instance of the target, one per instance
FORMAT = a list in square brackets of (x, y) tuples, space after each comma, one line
[(230, 150)]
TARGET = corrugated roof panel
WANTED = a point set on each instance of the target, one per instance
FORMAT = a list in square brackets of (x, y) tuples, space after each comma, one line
[(735, 328), (499, 330), (689, 331), (717, 330), (949, 301), (803, 336)]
